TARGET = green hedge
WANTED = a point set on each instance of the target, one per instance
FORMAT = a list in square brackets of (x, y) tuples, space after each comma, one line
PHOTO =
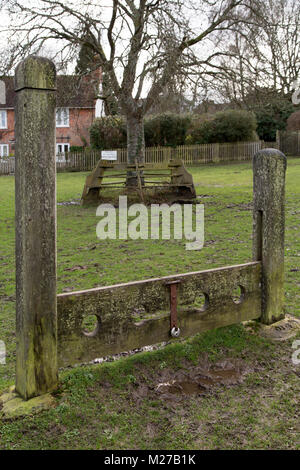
[(226, 126), (170, 129), (166, 129), (108, 133)]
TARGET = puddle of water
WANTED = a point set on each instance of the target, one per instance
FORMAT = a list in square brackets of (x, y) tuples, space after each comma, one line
[(201, 382), (69, 203), (224, 376), (188, 388)]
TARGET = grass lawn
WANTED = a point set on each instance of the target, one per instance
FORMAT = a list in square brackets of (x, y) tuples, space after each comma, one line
[(118, 405)]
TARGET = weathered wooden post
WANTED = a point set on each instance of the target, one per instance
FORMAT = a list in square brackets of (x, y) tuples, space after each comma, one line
[(36, 368), (269, 167)]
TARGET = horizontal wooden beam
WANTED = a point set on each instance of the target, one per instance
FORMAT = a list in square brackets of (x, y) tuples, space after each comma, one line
[(136, 314)]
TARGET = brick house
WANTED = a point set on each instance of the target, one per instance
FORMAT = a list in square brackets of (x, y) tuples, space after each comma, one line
[(76, 110)]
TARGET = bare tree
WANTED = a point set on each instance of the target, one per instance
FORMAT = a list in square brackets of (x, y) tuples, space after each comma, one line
[(141, 45), (266, 58), (278, 45)]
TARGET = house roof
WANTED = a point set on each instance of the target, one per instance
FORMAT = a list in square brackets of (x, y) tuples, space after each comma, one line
[(72, 91)]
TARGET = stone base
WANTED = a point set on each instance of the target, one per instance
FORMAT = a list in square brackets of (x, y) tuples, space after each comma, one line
[(13, 406), (280, 331)]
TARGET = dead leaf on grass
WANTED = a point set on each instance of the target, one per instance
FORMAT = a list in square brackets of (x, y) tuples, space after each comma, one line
[(79, 267)]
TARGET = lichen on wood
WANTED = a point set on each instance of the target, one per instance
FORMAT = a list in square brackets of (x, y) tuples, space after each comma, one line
[(36, 322), (137, 314), (269, 168)]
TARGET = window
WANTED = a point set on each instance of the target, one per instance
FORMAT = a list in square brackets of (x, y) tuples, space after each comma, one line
[(61, 149), (4, 150), (62, 117), (3, 119)]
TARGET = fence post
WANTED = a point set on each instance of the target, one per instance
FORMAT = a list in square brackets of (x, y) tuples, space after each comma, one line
[(36, 329), (269, 167), (278, 139), (216, 153)]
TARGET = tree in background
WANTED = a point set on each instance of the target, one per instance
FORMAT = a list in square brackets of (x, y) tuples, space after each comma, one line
[(86, 56), (140, 45), (86, 63), (266, 57), (111, 105), (272, 116)]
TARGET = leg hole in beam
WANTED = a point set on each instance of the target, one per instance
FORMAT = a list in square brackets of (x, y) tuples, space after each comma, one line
[(91, 325), (238, 294), (201, 301)]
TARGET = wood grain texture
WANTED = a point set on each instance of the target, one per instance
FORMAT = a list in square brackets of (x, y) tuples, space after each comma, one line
[(136, 314), (269, 168), (36, 327)]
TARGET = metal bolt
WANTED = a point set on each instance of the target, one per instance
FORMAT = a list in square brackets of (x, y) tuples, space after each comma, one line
[(175, 332)]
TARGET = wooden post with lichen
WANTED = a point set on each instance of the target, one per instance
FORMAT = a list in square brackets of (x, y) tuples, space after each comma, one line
[(269, 168), (36, 361)]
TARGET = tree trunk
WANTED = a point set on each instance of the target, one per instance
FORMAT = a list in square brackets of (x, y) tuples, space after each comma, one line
[(135, 145)]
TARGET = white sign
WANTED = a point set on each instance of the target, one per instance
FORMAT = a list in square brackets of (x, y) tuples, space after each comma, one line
[(109, 155)]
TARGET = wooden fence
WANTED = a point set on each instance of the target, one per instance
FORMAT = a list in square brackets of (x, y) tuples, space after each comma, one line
[(190, 154), (289, 142), (7, 166)]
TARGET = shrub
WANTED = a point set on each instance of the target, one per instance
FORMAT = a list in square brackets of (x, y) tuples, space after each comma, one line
[(163, 129), (225, 126), (189, 140), (77, 148), (108, 133), (170, 129), (272, 116), (166, 129)]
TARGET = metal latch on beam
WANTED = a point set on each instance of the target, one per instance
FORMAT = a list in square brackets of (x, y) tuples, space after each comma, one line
[(174, 329)]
